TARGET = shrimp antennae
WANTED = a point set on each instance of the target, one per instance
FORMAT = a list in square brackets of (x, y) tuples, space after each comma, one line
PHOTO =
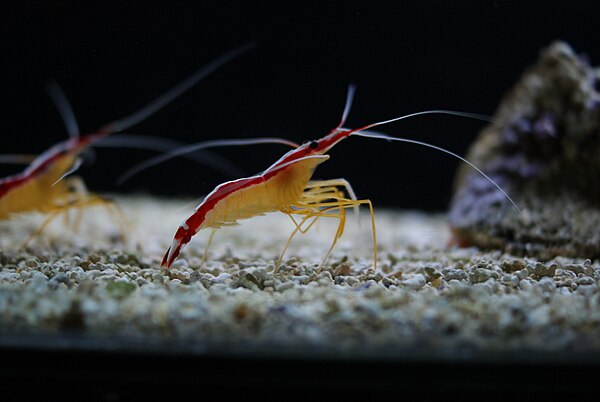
[(163, 100), (476, 116), (375, 134), (64, 108), (72, 170), (348, 105), (196, 147), (163, 145)]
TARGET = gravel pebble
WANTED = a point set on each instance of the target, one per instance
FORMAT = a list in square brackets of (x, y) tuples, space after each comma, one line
[(427, 295)]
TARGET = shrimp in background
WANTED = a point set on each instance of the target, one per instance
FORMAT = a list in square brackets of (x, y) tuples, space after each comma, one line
[(46, 185)]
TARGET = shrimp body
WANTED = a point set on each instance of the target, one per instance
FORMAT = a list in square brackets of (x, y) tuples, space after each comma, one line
[(245, 198), (41, 188), (274, 190), (286, 187), (38, 187)]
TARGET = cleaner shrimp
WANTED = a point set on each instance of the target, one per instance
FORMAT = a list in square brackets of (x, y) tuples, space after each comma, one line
[(286, 187), (44, 186)]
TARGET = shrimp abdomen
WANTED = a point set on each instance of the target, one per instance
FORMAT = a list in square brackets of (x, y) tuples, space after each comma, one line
[(38, 193), (261, 194)]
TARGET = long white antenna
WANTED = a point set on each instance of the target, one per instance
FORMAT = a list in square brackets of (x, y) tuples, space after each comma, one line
[(375, 134), (162, 145), (476, 116), (163, 100), (72, 170), (64, 108), (348, 105), (196, 147)]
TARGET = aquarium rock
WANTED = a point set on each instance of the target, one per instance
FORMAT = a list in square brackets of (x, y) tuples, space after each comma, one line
[(542, 149)]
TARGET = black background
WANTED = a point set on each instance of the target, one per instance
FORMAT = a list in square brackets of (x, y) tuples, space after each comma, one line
[(111, 58)]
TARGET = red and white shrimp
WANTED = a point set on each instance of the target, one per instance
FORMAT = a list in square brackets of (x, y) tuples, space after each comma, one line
[(286, 187), (43, 185)]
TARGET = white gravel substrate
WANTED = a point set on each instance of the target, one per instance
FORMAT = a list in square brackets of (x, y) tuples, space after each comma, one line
[(422, 294)]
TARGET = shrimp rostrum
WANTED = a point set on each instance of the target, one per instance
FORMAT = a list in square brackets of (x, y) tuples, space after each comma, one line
[(44, 186), (286, 186)]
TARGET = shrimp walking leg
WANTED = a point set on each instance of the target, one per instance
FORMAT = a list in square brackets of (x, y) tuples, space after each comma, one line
[(325, 199), (315, 184), (315, 214), (82, 199), (309, 213), (78, 200), (208, 243)]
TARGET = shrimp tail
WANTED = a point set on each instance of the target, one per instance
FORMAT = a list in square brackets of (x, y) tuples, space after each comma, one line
[(182, 237), (166, 261)]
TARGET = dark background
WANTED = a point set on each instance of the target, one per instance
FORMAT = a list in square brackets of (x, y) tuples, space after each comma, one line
[(111, 58)]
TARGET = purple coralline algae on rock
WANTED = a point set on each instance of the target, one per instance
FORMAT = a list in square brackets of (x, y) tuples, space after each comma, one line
[(543, 149)]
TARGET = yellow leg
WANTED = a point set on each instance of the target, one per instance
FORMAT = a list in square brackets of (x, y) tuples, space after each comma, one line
[(333, 183), (299, 225), (323, 198), (336, 183), (289, 240), (338, 234), (82, 198), (208, 243), (325, 186), (315, 214), (53, 215), (342, 206), (113, 210), (80, 202)]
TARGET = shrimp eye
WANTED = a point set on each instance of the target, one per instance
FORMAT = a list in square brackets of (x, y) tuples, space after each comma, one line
[(313, 145)]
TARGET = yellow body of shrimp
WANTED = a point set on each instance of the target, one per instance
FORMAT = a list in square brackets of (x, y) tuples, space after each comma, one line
[(40, 192), (286, 187), (43, 187), (257, 195)]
